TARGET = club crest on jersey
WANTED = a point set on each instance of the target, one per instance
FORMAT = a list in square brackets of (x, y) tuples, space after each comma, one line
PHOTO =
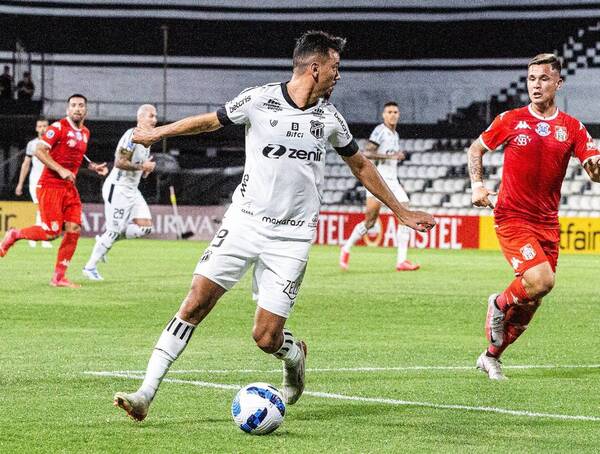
[(543, 129), (522, 140), (317, 129), (273, 123), (527, 252), (560, 133), (50, 133)]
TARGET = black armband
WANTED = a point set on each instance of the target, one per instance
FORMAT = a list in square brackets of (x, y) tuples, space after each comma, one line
[(348, 150), (222, 116)]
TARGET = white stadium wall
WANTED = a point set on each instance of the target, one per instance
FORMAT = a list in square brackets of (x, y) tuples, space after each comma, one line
[(424, 96)]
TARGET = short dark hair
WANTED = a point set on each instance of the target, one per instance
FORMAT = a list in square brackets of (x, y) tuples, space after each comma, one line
[(546, 59), (26, 74), (390, 103), (316, 42), (76, 95), (41, 118)]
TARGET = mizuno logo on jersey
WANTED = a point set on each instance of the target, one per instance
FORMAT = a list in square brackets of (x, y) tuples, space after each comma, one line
[(523, 125), (274, 151)]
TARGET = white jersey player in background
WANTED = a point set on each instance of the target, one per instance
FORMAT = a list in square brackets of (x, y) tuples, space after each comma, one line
[(125, 210), (384, 148), (274, 213), (36, 166)]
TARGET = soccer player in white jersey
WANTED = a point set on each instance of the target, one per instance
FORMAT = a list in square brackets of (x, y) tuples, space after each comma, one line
[(126, 212), (384, 148), (274, 213), (36, 166)]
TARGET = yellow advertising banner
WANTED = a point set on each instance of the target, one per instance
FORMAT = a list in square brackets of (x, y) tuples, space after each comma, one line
[(16, 215), (577, 235)]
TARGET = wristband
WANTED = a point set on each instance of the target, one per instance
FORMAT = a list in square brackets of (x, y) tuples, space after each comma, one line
[(476, 184)]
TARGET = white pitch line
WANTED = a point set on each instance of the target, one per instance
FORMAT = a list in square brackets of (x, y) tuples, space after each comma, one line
[(368, 369), (376, 400)]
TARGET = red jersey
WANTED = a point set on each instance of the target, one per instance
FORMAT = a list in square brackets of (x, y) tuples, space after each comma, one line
[(536, 156), (67, 147)]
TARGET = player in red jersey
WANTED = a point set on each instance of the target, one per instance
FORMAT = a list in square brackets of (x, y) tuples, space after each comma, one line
[(61, 149), (538, 142)]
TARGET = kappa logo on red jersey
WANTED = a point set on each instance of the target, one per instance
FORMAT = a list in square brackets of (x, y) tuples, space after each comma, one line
[(560, 133), (527, 251), (543, 129), (71, 143), (522, 140), (522, 125)]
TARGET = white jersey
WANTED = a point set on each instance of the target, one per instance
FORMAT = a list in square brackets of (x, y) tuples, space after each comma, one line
[(282, 185), (389, 143), (36, 165), (129, 179)]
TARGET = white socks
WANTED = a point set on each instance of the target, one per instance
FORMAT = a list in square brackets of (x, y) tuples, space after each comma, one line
[(101, 247), (171, 343), (289, 352), (359, 231), (136, 231), (403, 239)]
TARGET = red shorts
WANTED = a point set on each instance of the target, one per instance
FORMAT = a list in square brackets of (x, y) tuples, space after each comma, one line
[(525, 245), (59, 205)]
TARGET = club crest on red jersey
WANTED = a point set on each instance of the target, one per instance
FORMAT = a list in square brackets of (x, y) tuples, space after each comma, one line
[(543, 129), (560, 133), (528, 252)]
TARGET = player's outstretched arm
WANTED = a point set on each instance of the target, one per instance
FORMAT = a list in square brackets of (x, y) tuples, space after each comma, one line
[(592, 167), (42, 152), (479, 196), (367, 173), (23, 174), (184, 127), (371, 149)]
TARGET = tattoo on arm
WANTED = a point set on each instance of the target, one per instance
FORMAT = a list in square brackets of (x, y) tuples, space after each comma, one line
[(475, 166), (124, 161)]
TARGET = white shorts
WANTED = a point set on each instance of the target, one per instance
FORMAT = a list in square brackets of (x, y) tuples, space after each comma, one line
[(396, 188), (279, 264), (33, 194), (122, 205)]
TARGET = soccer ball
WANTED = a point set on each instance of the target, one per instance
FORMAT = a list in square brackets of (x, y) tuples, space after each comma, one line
[(258, 408)]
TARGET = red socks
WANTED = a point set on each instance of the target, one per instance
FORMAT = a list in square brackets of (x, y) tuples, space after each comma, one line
[(515, 323), (514, 294), (65, 252), (34, 233)]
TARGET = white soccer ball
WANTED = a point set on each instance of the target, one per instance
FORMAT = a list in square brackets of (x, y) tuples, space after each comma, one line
[(258, 408)]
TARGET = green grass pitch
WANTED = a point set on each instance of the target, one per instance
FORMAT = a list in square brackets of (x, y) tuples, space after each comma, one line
[(368, 317)]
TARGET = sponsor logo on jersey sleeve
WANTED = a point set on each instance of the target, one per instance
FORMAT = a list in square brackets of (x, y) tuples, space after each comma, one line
[(239, 103), (560, 133), (543, 129)]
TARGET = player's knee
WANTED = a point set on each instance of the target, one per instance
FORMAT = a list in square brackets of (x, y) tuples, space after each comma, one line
[(543, 284), (267, 340)]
